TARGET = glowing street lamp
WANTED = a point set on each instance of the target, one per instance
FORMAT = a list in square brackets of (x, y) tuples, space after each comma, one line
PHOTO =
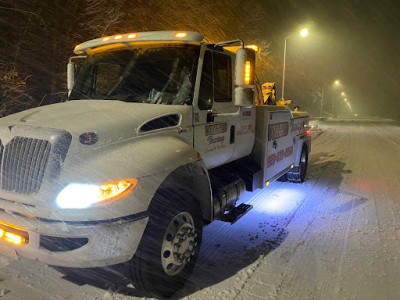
[(303, 33), (335, 83)]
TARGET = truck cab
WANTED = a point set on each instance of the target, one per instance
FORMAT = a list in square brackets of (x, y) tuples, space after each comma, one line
[(159, 137)]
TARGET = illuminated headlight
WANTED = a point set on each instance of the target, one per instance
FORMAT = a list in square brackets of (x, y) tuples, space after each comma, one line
[(76, 195)]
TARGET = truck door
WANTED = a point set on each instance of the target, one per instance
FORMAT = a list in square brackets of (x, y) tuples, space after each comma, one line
[(214, 136), (280, 144)]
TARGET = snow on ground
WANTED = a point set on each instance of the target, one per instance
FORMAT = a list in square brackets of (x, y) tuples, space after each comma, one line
[(336, 236)]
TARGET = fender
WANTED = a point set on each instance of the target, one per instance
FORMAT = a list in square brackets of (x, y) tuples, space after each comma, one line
[(192, 178)]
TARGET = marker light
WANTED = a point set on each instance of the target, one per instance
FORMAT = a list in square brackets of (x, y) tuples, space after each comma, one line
[(77, 46), (13, 238), (247, 72), (291, 166), (77, 195), (106, 39), (308, 132), (254, 47), (132, 35), (180, 34), (13, 235), (118, 37), (267, 183)]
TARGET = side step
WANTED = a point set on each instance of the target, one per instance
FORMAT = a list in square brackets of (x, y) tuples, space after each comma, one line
[(236, 213)]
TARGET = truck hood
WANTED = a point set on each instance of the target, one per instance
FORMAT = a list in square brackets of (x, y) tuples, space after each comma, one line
[(111, 120)]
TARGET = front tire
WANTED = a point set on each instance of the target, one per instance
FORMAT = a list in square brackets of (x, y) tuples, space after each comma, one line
[(170, 244)]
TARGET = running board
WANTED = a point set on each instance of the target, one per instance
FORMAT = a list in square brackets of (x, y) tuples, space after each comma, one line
[(236, 213)]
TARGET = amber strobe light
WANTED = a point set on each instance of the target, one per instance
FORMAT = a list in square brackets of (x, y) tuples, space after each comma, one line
[(180, 34), (247, 73)]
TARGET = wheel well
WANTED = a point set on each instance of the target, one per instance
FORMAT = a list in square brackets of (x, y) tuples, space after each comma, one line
[(190, 179), (305, 147)]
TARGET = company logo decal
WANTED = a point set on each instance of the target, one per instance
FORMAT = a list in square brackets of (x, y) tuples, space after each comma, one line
[(276, 131), (216, 128)]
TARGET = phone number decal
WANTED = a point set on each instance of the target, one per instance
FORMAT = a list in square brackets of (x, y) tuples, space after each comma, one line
[(277, 157)]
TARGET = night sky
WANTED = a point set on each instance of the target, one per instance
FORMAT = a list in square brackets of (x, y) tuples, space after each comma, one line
[(355, 42)]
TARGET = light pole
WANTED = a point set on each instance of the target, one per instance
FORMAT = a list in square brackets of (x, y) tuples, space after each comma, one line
[(322, 101), (337, 84), (303, 33)]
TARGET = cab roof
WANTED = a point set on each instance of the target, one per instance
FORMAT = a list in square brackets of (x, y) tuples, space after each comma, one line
[(123, 40)]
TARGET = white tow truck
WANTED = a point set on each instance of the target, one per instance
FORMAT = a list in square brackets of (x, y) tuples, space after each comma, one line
[(159, 137)]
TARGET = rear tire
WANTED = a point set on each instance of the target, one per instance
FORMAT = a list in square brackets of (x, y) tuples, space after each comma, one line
[(170, 244), (298, 174)]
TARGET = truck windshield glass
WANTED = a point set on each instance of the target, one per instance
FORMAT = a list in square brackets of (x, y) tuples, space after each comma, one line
[(157, 75)]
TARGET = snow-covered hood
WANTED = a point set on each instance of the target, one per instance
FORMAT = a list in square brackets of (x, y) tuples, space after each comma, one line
[(111, 120)]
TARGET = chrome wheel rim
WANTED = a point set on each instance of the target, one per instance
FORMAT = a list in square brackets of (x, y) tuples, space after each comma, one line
[(179, 243)]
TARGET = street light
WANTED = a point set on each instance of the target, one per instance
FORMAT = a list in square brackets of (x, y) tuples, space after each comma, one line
[(336, 82), (303, 33), (337, 85)]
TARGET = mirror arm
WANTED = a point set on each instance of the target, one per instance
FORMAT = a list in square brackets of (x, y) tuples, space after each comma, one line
[(76, 57), (227, 43)]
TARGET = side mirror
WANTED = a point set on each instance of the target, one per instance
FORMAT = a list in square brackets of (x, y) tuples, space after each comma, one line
[(70, 76), (244, 77), (71, 70), (206, 103)]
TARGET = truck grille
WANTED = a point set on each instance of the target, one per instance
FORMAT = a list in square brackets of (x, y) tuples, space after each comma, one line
[(27, 162), (24, 163)]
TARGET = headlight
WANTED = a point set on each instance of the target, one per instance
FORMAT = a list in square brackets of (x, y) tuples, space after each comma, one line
[(76, 195)]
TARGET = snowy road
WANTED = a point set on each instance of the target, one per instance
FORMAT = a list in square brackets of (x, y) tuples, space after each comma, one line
[(336, 236)]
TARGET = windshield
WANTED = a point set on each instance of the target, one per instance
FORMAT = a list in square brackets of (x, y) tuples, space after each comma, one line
[(157, 75)]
